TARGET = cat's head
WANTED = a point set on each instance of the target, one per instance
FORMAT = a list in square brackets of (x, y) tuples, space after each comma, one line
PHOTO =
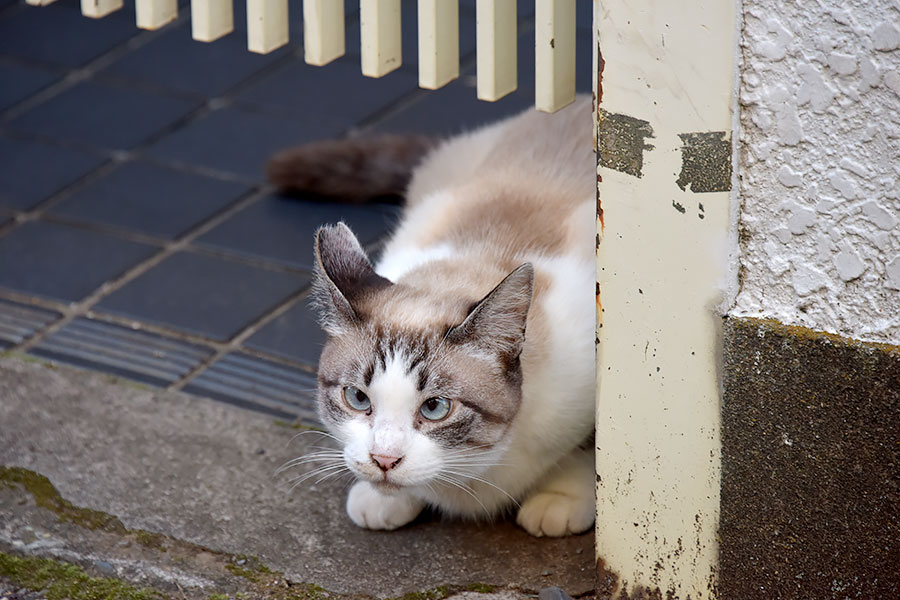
[(419, 386)]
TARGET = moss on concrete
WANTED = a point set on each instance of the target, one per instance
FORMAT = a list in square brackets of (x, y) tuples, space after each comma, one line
[(482, 588), (438, 593), (28, 358), (46, 496), (250, 568), (58, 580), (811, 335), (297, 426)]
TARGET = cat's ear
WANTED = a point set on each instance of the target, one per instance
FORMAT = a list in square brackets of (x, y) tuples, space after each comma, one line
[(342, 275), (496, 324)]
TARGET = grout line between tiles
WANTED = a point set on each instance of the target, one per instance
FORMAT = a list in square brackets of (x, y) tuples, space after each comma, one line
[(162, 331), (236, 342), (74, 75), (82, 306), (194, 248)]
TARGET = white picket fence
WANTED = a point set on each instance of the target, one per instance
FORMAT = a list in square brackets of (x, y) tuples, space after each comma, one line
[(380, 26)]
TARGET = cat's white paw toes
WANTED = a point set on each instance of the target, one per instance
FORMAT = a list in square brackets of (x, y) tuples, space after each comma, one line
[(553, 514), (370, 509)]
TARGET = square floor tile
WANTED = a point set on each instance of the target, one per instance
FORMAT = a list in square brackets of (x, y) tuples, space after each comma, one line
[(131, 353), (238, 141), (65, 263), (261, 385), (150, 199), (103, 115), (204, 295), (282, 229), (32, 171), (333, 94), (455, 108), (176, 61), (58, 34), (21, 82), (295, 335)]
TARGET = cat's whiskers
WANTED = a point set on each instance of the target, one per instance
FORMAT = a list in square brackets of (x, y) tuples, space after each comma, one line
[(315, 472), (482, 480), (329, 476), (477, 461), (458, 484), (309, 431), (468, 450), (322, 456)]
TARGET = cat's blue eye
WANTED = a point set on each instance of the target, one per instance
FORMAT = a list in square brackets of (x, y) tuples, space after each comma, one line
[(356, 399), (435, 409)]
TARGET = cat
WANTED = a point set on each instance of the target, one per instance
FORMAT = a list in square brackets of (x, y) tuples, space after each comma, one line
[(459, 371)]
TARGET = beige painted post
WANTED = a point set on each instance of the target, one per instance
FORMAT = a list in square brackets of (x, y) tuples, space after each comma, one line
[(495, 39), (438, 43), (153, 14), (554, 54), (323, 31), (96, 9), (664, 261), (267, 25), (211, 19), (39, 2), (379, 29)]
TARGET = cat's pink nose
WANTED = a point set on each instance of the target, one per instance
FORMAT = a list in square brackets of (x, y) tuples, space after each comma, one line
[(386, 463)]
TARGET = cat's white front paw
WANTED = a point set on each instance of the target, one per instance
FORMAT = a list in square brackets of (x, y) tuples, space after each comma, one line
[(553, 514), (369, 508)]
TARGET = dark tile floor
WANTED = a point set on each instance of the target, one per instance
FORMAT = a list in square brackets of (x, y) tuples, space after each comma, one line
[(137, 233)]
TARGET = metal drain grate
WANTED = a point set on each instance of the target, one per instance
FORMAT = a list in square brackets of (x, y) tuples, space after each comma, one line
[(20, 321), (260, 385), (134, 354)]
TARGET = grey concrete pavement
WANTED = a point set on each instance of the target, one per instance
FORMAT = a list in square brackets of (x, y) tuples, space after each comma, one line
[(185, 490)]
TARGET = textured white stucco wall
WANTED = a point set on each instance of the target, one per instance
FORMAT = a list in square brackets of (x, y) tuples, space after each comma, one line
[(820, 165)]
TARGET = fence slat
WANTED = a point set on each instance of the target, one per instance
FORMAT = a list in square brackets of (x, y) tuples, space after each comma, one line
[(211, 19), (438, 43), (554, 54), (323, 31), (96, 9), (267, 25), (380, 39), (153, 14), (495, 39)]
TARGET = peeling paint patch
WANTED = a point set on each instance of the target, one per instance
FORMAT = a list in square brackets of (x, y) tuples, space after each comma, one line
[(622, 141), (705, 162)]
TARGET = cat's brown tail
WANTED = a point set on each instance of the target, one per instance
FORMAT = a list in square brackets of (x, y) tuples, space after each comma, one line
[(351, 170)]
